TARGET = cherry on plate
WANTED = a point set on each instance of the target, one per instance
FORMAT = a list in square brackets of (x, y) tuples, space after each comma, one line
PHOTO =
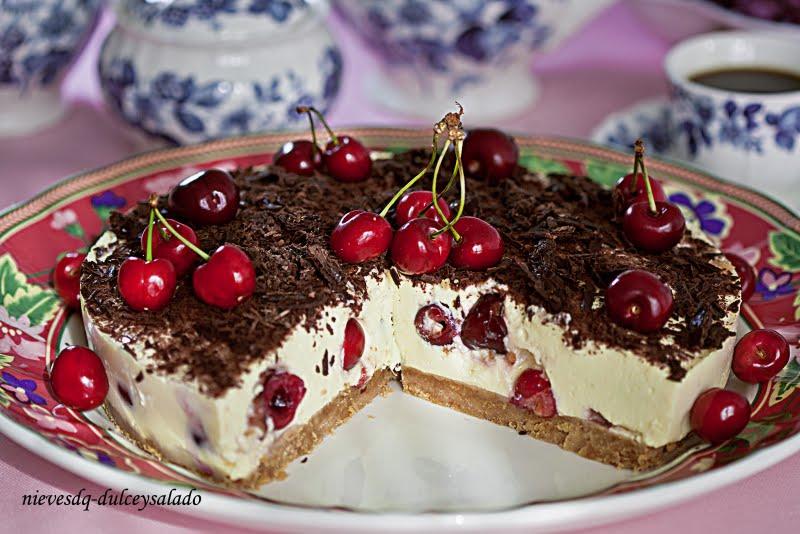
[(760, 355), (300, 157), (67, 278), (489, 154), (415, 251), (719, 415), (484, 326), (348, 160), (746, 272), (532, 391), (435, 324), (168, 247), (283, 393), (361, 236), (226, 279), (207, 197), (411, 205), (639, 300), (481, 245), (146, 285), (78, 378), (353, 346)]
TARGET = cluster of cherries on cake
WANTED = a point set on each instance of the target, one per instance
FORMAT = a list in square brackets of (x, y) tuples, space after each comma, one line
[(429, 233), (641, 301), (170, 247)]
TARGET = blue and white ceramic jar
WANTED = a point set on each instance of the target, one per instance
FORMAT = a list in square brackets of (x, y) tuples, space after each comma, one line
[(193, 70), (475, 51), (38, 41)]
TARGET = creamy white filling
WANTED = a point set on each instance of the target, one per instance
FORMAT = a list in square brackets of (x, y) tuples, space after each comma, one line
[(215, 435)]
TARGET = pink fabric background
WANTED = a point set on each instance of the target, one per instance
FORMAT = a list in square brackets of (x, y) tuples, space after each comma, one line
[(610, 64)]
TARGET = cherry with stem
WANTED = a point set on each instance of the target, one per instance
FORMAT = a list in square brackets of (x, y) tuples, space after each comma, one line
[(225, 279), (653, 226), (345, 158)]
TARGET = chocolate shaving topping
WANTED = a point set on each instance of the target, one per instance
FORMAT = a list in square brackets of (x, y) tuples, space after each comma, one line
[(563, 247)]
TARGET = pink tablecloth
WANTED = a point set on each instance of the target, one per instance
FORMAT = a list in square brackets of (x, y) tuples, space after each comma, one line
[(609, 65)]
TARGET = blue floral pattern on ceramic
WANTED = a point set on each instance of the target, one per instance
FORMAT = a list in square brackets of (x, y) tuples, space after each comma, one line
[(746, 126), (24, 390), (184, 108), (212, 14), (704, 211), (38, 38), (440, 34), (772, 284)]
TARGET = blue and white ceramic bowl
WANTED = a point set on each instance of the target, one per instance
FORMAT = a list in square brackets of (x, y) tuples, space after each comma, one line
[(475, 51), (193, 70), (38, 40), (747, 137)]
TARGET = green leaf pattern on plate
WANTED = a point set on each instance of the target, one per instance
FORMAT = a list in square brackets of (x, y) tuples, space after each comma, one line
[(23, 299), (786, 249), (788, 380), (605, 173), (538, 164)]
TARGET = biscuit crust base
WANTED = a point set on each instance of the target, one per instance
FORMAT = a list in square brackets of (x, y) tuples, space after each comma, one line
[(585, 438)]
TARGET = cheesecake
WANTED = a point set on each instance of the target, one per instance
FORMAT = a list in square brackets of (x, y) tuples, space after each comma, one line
[(238, 394)]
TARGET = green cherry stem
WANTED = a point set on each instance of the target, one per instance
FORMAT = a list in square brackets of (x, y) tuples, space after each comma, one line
[(150, 224), (415, 179), (434, 195), (462, 194), (313, 132), (315, 111), (651, 201), (194, 248)]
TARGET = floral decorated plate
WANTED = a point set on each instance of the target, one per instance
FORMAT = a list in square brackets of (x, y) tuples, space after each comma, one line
[(401, 464)]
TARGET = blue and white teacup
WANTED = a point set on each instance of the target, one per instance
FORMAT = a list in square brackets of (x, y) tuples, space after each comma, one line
[(752, 138)]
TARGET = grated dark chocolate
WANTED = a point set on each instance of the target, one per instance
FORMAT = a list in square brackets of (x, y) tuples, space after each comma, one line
[(563, 247)]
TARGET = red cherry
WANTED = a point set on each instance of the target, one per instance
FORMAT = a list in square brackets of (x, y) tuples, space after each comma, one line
[(167, 247), (299, 157), (415, 252), (361, 236), (226, 279), (653, 232), (532, 391), (347, 161), (746, 272), (484, 326), (353, 347), (625, 196), (489, 154), (435, 325), (283, 393), (411, 205), (639, 300), (67, 277), (207, 197), (719, 414), (79, 379), (480, 247), (760, 355), (146, 285)]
